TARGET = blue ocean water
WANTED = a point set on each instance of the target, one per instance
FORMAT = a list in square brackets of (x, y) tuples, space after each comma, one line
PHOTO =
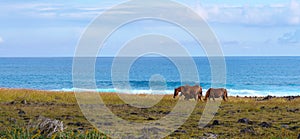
[(245, 76)]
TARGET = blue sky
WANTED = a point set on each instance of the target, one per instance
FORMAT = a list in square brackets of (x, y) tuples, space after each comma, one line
[(244, 28)]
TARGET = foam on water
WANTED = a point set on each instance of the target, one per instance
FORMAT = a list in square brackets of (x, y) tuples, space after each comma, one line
[(231, 92)]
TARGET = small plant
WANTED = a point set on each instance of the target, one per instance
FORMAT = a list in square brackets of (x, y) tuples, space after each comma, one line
[(23, 133)]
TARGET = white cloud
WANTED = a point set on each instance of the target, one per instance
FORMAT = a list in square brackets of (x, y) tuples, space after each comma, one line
[(294, 12), (272, 14), (1, 40), (290, 38)]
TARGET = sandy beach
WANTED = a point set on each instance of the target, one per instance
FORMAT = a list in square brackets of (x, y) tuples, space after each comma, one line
[(240, 117)]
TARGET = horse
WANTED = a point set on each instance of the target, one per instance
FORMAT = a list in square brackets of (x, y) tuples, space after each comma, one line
[(189, 92), (216, 92)]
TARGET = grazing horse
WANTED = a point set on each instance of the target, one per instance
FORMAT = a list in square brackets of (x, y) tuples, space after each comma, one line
[(189, 92), (216, 92)]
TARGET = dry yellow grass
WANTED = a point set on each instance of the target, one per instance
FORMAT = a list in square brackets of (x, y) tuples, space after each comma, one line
[(280, 112)]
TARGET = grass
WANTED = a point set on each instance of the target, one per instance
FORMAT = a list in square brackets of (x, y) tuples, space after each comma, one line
[(281, 113), (24, 133)]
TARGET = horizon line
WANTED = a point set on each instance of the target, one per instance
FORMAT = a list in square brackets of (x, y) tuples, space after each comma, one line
[(145, 56)]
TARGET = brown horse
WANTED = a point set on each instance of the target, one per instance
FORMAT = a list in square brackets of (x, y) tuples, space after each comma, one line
[(216, 92), (189, 92)]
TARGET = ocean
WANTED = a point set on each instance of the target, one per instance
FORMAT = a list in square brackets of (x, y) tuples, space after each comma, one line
[(245, 76)]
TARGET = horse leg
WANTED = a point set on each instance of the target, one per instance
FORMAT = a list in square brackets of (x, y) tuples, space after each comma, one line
[(186, 97), (224, 97), (199, 97)]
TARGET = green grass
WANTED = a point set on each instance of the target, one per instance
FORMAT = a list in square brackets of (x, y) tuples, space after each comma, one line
[(23, 133), (63, 106)]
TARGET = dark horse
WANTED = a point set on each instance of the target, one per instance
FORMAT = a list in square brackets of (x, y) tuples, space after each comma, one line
[(216, 92), (189, 92)]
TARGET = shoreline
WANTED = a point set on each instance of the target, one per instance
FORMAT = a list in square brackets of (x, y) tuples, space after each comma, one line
[(124, 92)]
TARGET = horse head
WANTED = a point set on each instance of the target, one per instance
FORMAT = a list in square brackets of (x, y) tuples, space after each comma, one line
[(176, 91)]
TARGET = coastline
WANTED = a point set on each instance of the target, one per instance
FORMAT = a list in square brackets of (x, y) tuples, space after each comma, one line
[(141, 92)]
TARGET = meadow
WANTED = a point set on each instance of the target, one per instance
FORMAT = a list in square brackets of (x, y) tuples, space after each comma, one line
[(240, 117)]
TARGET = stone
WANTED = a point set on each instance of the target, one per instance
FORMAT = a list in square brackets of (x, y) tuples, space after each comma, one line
[(12, 120), (180, 131), (294, 128), (248, 130), (210, 135), (285, 126), (24, 102), (216, 122), (48, 126), (78, 124), (265, 124), (150, 118), (21, 112), (244, 120), (293, 110)]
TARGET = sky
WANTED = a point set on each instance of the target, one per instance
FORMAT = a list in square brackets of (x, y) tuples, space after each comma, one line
[(244, 28)]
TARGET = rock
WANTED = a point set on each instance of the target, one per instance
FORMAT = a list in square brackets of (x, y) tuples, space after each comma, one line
[(68, 117), (13, 102), (134, 113), (12, 120), (50, 103), (265, 124), (292, 110), (248, 130), (210, 135), (180, 131), (245, 121), (216, 122), (290, 98), (267, 97), (26, 118), (150, 118), (80, 128), (21, 112), (47, 126), (108, 123), (24, 102), (285, 126), (78, 124), (294, 127)]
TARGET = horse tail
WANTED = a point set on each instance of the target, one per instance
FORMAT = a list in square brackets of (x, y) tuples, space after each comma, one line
[(226, 94), (207, 94), (200, 93), (176, 90)]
